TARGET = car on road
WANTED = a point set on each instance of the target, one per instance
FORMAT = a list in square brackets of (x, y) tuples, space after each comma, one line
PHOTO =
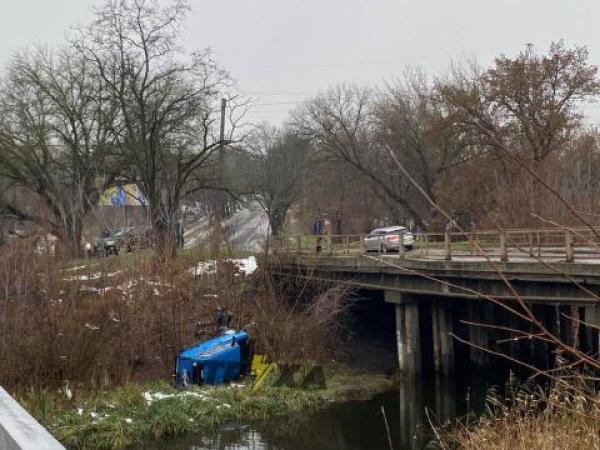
[(117, 241), (388, 239)]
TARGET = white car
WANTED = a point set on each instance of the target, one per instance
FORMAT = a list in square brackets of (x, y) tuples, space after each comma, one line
[(388, 239)]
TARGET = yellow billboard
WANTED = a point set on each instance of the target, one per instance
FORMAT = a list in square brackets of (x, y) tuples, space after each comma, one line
[(124, 195)]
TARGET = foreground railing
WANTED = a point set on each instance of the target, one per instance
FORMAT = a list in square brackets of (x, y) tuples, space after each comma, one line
[(572, 244), (20, 431)]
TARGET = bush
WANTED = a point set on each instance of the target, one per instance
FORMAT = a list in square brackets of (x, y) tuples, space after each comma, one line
[(98, 322)]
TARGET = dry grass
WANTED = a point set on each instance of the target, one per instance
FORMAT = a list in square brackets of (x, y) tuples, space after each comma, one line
[(116, 321), (534, 421)]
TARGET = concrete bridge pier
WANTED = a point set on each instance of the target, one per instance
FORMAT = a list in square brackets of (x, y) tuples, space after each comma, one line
[(539, 349), (408, 334), (425, 324), (480, 313), (443, 342), (411, 410), (591, 317), (421, 322)]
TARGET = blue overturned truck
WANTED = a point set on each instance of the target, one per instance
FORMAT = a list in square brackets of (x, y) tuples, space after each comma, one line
[(216, 361)]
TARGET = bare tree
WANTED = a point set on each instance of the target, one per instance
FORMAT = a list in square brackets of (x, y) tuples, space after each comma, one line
[(53, 139), (168, 121), (277, 160), (360, 127)]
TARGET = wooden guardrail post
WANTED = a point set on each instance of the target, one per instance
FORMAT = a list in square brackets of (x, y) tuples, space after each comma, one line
[(329, 242), (570, 256), (363, 245), (503, 250), (299, 244), (401, 249), (447, 247)]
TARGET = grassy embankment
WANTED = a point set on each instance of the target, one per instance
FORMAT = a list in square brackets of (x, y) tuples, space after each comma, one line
[(130, 259), (123, 416), (109, 328)]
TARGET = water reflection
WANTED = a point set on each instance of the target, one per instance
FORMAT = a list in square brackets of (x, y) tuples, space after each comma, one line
[(354, 425), (239, 440)]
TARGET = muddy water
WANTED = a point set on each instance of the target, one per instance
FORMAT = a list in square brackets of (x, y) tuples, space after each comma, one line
[(354, 425)]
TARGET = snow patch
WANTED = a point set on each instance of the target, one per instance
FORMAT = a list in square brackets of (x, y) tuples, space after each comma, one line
[(152, 397), (93, 276), (247, 266)]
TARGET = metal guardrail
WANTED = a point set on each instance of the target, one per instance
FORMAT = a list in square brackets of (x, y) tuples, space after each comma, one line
[(569, 245)]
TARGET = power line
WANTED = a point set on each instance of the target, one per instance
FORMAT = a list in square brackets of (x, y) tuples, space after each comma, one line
[(278, 93), (362, 62), (276, 103)]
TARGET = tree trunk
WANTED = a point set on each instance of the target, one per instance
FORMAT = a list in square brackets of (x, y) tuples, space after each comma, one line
[(276, 220), (164, 232), (69, 237)]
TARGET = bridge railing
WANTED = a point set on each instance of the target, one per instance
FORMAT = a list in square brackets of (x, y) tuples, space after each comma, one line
[(581, 244)]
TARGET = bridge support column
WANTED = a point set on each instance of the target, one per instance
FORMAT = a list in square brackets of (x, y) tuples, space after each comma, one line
[(480, 313), (592, 332), (408, 336), (569, 329), (539, 349), (443, 343)]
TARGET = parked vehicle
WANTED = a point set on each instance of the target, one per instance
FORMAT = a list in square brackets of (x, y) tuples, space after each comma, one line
[(122, 239), (388, 239), (126, 239)]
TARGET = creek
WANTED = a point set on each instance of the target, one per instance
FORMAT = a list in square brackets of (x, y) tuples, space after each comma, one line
[(355, 424)]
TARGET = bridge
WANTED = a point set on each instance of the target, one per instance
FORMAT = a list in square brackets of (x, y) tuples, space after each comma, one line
[(461, 284)]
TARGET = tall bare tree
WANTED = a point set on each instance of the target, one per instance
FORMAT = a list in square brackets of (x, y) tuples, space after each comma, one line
[(169, 104), (54, 122), (277, 161), (363, 128)]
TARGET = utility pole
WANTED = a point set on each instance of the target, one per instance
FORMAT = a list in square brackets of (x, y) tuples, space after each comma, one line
[(219, 197), (221, 142)]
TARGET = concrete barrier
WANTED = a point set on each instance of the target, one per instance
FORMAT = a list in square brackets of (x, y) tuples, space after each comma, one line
[(20, 431)]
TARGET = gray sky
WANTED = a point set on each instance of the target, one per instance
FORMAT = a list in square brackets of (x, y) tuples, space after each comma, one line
[(281, 51)]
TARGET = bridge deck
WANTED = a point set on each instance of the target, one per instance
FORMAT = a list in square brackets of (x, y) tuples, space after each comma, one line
[(546, 282)]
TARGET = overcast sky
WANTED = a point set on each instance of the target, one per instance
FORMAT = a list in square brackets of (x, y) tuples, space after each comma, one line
[(281, 51)]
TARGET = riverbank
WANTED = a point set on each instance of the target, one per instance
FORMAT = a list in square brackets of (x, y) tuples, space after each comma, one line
[(124, 416), (533, 421)]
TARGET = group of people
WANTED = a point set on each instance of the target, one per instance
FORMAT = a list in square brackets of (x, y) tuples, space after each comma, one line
[(321, 227)]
